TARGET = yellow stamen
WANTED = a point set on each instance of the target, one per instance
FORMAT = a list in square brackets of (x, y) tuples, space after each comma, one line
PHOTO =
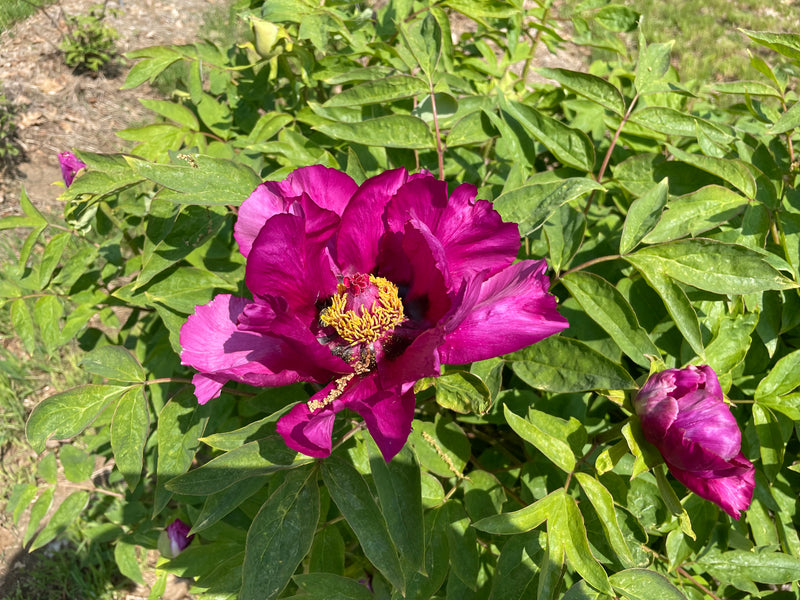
[(384, 315)]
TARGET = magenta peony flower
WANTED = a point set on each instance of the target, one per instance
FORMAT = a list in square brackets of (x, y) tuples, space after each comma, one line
[(70, 165), (683, 414), (365, 289), (174, 539)]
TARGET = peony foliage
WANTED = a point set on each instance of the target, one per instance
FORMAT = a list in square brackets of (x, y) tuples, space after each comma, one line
[(376, 307)]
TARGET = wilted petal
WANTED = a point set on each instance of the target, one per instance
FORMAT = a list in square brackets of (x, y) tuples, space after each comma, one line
[(730, 488), (512, 310)]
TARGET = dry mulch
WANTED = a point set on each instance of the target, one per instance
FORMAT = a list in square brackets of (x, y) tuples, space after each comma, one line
[(60, 110)]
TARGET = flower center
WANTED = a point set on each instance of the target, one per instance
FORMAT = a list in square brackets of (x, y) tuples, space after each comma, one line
[(364, 309)]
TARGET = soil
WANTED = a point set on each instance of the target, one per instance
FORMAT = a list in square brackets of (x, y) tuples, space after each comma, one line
[(57, 110)]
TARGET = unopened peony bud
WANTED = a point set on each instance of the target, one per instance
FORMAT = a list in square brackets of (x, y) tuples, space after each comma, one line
[(683, 414), (174, 539), (70, 165)]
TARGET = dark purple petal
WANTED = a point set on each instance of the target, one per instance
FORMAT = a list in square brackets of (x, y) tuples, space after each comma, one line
[(730, 488), (179, 537), (473, 234), (362, 222), (511, 310), (70, 165), (284, 263)]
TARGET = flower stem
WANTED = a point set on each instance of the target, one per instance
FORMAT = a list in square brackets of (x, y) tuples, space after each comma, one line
[(439, 146), (607, 157)]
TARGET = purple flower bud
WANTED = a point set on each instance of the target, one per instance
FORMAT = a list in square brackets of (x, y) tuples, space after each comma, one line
[(70, 165), (175, 539), (683, 414)]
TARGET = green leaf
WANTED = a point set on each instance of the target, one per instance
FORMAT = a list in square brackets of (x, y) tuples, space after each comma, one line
[(327, 551), (746, 88), (66, 514), (695, 213), (589, 86), (782, 378), (565, 529), (652, 65), (204, 180), (51, 257), (677, 303), (535, 431), (732, 342), (22, 494), (114, 362), (352, 496), (424, 39), (280, 535), (172, 111), (603, 504), (473, 128), (789, 120), (442, 447), (384, 90), (735, 172), (570, 146), (130, 426), (674, 122), (517, 566), (643, 215), (462, 544), (609, 309), (740, 568), (185, 287), (644, 584), (392, 131), (399, 488), (565, 231), (151, 67), (532, 205), (66, 414), (223, 503), (28, 244), (180, 423), (22, 322), (327, 586), (128, 564), (615, 17), (38, 512), (559, 364), (47, 313), (787, 44), (29, 209), (646, 456), (480, 9), (522, 520), (78, 465), (771, 442), (255, 458), (712, 266), (462, 392)]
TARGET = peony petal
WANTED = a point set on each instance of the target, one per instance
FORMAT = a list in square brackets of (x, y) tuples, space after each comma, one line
[(473, 234), (319, 193), (283, 263), (307, 432), (362, 222), (708, 422), (326, 187), (731, 488), (512, 310), (388, 415), (213, 345), (265, 202)]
